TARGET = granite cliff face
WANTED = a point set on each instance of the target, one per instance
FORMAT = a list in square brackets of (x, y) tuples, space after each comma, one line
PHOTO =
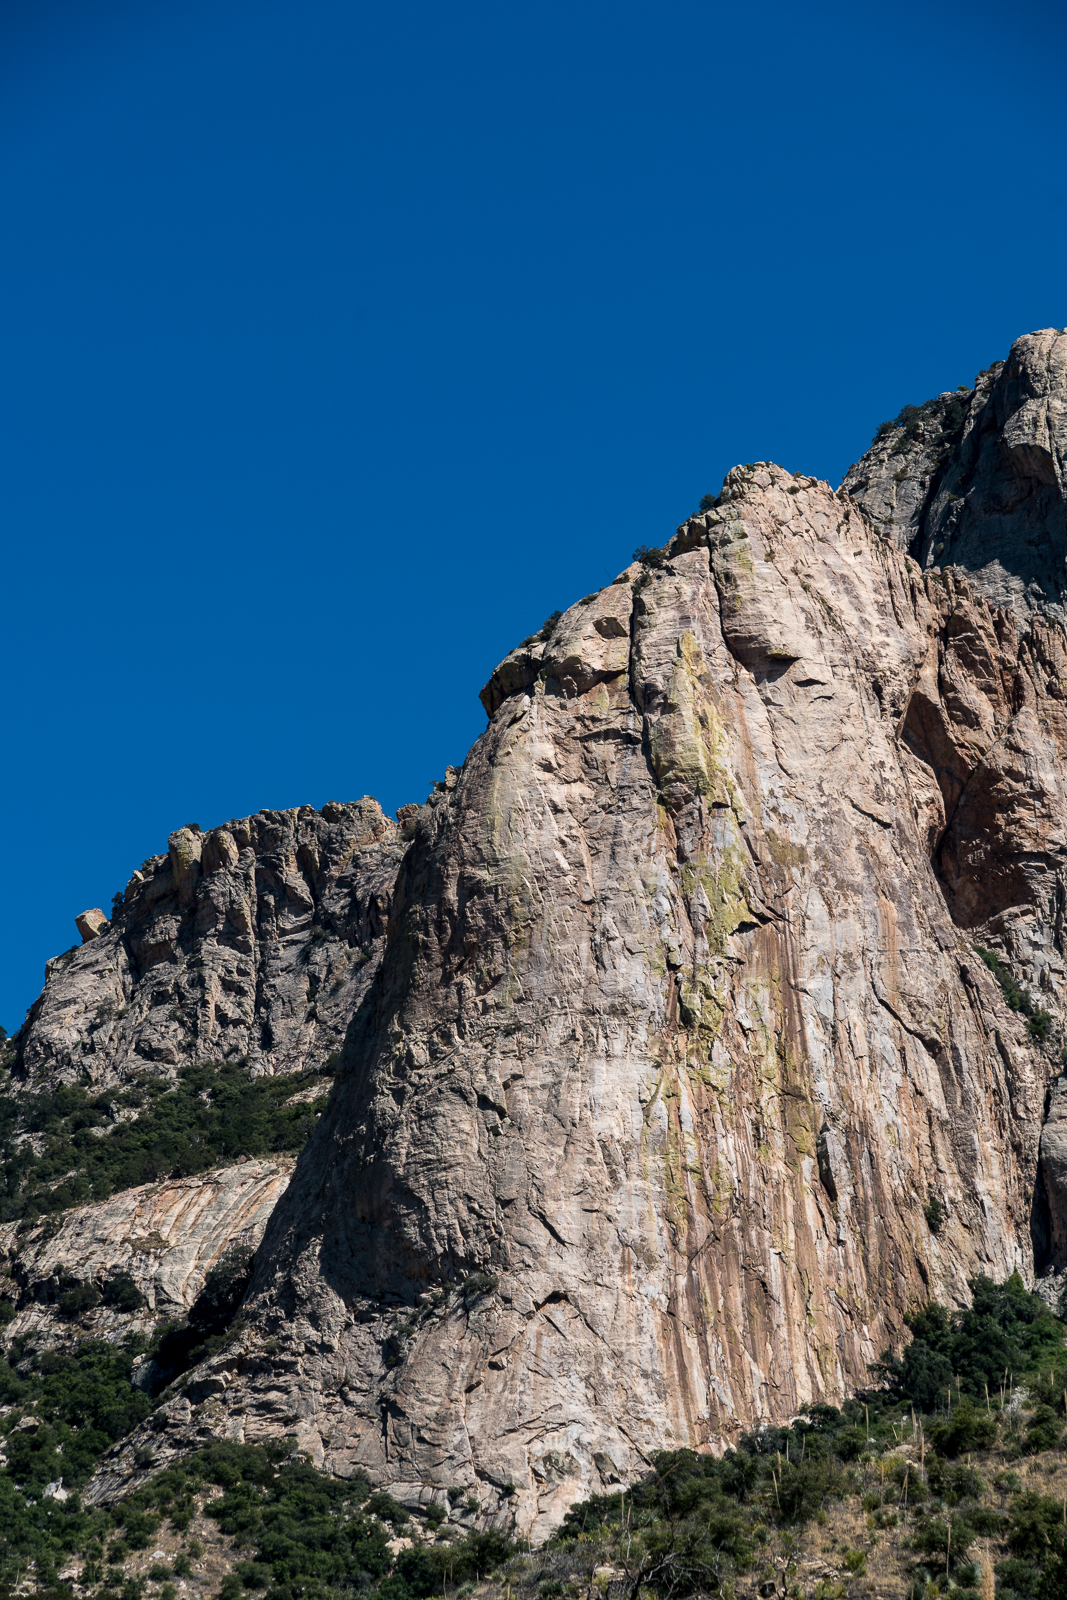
[(256, 940), (977, 478), (671, 1024), (675, 1036)]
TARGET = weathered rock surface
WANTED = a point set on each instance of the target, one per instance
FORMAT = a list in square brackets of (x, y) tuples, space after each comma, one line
[(667, 1021), (167, 1236), (978, 478), (255, 940), (675, 1036)]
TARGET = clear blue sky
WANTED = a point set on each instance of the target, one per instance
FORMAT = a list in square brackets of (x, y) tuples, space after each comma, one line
[(341, 342)]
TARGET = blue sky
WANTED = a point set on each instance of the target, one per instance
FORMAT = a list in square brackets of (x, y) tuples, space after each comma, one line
[(340, 343)]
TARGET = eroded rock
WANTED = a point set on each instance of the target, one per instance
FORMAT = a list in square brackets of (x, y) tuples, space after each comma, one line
[(674, 1036), (254, 941)]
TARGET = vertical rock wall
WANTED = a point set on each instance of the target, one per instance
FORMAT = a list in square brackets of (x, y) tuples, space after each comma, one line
[(977, 478), (674, 1037), (256, 940)]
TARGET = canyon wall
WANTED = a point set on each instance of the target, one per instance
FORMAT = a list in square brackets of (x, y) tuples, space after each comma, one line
[(680, 1026), (256, 941)]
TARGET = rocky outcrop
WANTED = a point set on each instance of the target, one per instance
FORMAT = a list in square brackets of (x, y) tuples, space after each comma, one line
[(675, 1035), (978, 478), (737, 940), (256, 940), (165, 1236)]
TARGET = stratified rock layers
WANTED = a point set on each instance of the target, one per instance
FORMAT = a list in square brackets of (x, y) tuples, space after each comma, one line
[(674, 1037)]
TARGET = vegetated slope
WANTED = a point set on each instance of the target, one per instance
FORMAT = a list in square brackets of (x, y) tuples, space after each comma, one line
[(953, 1470), (69, 1146)]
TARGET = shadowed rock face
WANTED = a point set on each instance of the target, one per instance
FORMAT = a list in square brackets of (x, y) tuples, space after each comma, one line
[(674, 1036), (978, 479), (255, 940)]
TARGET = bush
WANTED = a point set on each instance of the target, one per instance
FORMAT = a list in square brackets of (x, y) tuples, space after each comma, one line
[(953, 417), (120, 1293), (967, 1430), (1005, 1329), (211, 1115), (1044, 1430), (75, 1302), (386, 1509)]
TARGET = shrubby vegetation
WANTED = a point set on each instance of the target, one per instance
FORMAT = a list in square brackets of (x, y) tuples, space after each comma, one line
[(302, 1535), (1038, 1022), (703, 1525), (83, 1153), (931, 1458), (911, 422)]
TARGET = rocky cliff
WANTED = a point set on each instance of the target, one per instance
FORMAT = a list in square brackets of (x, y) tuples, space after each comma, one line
[(977, 478), (257, 940), (673, 1070)]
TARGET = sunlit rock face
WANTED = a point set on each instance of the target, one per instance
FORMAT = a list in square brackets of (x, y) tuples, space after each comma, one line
[(680, 1025), (254, 941), (665, 1019)]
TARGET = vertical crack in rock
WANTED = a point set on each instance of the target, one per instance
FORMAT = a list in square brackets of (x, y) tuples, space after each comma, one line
[(668, 1055), (663, 1021)]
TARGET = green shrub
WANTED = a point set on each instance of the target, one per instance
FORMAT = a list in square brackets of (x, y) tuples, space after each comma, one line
[(953, 417), (1044, 1430), (387, 1509), (1038, 1021), (120, 1293), (75, 1302), (1005, 1329), (212, 1114), (967, 1430)]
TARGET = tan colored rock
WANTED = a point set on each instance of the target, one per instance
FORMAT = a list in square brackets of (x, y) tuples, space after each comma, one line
[(257, 940), (167, 1236), (90, 924), (674, 1036)]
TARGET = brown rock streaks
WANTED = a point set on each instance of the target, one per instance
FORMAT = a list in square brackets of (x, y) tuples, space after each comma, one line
[(674, 1036)]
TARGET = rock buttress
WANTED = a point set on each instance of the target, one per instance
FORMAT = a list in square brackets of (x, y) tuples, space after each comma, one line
[(674, 1037)]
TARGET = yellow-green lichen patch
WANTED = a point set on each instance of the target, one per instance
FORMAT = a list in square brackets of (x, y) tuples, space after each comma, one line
[(783, 852), (688, 744), (721, 881)]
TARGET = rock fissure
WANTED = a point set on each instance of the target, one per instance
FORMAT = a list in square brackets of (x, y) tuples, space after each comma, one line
[(656, 1015)]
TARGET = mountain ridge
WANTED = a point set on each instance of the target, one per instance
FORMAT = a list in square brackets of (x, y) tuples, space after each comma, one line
[(663, 1033)]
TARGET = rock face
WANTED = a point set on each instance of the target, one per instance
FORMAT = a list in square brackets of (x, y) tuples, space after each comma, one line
[(255, 940), (166, 1236), (978, 478), (680, 1027), (667, 1016)]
